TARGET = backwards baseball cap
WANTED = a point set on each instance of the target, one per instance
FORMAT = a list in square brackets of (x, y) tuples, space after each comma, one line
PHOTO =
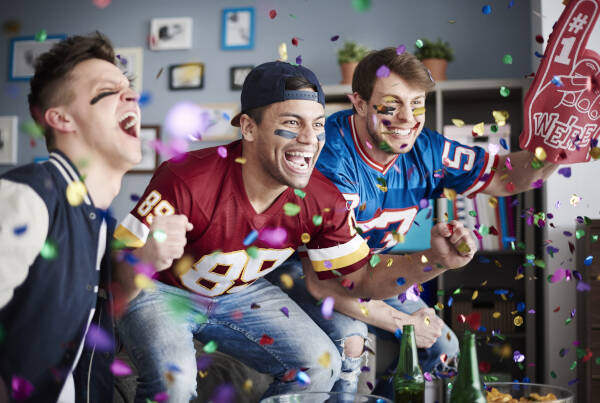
[(265, 85)]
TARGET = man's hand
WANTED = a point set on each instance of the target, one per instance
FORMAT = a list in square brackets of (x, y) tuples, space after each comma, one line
[(166, 241), (452, 245), (561, 106), (428, 326)]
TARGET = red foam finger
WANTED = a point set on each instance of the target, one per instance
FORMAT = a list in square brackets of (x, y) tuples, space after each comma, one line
[(561, 114)]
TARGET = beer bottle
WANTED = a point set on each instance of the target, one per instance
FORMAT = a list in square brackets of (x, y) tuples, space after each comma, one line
[(409, 384), (467, 386)]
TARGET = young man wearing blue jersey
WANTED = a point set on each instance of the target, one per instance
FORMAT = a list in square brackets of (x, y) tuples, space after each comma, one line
[(384, 161), (55, 232)]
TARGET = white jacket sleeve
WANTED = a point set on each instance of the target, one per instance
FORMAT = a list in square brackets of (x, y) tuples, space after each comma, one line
[(23, 231)]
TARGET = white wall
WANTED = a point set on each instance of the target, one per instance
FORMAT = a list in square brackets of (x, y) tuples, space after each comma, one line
[(582, 182)]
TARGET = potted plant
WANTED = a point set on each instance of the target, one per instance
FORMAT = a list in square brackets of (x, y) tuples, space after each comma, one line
[(435, 56), (348, 57)]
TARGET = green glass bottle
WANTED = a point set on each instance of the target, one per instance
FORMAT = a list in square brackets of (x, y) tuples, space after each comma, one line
[(409, 384), (467, 386)]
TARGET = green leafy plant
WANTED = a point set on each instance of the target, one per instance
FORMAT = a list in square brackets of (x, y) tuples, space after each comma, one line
[(434, 50), (351, 52)]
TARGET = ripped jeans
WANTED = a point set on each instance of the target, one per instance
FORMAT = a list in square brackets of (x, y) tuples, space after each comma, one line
[(340, 326)]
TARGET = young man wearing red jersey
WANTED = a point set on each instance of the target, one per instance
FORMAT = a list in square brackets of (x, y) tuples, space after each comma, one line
[(237, 218)]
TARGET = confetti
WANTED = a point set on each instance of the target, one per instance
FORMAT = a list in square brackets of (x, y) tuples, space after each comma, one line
[(187, 120), (504, 91), (145, 99), (274, 237), (327, 307), (540, 153), (41, 35), (33, 129), (400, 49), (565, 171), (518, 320), (295, 41), (222, 151), (473, 320), (299, 60), (486, 10), (282, 49), (334, 38), (375, 259), (291, 209), (49, 250), (286, 280), (419, 43), (300, 193), (285, 311), (159, 73), (518, 357), (119, 368), (224, 393), (450, 194), (210, 347), (500, 117), (507, 59), (303, 378), (325, 360), (159, 235), (383, 71), (361, 5), (478, 129), (248, 385), (496, 315), (98, 338), (21, 388), (458, 122), (427, 376), (588, 260), (20, 230), (556, 81), (272, 14), (101, 3), (317, 220), (143, 282), (251, 237), (252, 252), (400, 281), (305, 238), (463, 248), (475, 295)]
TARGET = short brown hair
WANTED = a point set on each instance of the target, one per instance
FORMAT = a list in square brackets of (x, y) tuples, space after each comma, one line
[(52, 71), (406, 65)]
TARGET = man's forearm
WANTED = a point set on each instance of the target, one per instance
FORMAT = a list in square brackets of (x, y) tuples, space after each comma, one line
[(394, 274), (124, 275), (520, 176)]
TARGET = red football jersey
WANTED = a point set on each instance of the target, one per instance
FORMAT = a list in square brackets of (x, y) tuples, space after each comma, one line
[(209, 190)]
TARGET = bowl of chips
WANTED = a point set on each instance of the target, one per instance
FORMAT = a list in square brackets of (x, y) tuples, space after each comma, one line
[(515, 392)]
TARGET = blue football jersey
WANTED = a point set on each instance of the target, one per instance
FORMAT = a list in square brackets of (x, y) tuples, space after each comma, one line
[(386, 199)]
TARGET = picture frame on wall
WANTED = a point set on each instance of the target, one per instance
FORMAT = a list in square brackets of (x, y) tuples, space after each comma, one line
[(131, 63), (237, 75), (8, 140), (187, 76), (23, 52), (221, 128), (148, 135), (171, 33), (237, 28)]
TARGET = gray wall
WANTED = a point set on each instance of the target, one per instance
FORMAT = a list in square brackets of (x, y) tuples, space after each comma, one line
[(479, 42)]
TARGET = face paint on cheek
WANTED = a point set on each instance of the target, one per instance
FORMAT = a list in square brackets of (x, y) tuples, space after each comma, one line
[(384, 110), (286, 134), (100, 96)]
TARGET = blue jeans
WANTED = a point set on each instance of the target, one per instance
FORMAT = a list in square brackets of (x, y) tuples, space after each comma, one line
[(160, 324), (341, 326)]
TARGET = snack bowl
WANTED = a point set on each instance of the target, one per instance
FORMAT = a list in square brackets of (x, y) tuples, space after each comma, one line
[(518, 390)]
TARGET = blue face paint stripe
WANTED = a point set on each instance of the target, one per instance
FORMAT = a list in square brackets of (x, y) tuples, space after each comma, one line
[(286, 134)]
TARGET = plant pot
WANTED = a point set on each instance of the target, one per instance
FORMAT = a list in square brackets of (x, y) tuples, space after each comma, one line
[(347, 72), (437, 67)]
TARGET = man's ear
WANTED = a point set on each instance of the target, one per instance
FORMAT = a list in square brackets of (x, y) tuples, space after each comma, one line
[(359, 104), (59, 120), (248, 127)]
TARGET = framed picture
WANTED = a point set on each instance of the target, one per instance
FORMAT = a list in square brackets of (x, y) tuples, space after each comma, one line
[(237, 28), (8, 140), (23, 52), (221, 128), (149, 162), (131, 62), (237, 75), (188, 76), (171, 33)]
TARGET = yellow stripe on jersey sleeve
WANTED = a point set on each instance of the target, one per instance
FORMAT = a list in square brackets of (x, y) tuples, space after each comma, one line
[(132, 232), (338, 257)]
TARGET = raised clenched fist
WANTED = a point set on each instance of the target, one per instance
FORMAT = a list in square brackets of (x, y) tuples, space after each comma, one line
[(562, 106), (166, 241)]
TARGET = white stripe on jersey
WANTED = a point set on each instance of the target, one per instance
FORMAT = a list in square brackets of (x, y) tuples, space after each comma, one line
[(336, 252)]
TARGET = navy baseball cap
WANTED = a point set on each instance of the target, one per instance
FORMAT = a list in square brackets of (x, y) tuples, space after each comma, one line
[(265, 85)]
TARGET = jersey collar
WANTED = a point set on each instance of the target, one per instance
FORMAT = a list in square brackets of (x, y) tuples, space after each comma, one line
[(363, 153)]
